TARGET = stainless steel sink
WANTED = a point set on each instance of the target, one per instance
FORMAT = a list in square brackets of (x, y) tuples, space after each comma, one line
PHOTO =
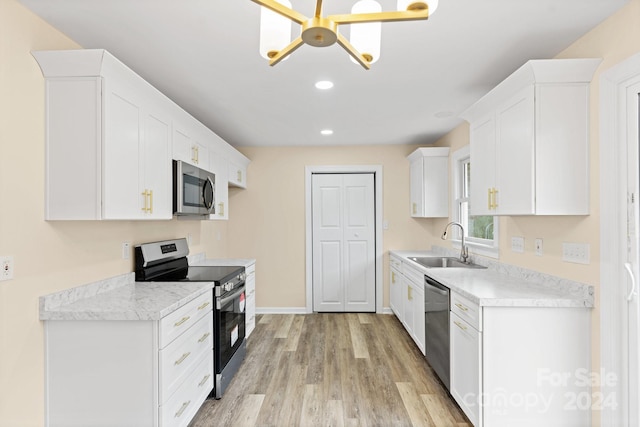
[(443, 262)]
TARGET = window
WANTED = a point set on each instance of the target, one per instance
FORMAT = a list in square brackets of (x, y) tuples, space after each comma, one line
[(481, 231)]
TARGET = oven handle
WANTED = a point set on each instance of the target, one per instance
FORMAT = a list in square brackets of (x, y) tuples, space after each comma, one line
[(222, 301)]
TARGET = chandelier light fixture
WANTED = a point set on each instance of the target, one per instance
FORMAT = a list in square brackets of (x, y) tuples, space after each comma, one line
[(366, 19)]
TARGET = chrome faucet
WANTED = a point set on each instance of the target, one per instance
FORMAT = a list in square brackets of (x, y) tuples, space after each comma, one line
[(464, 251)]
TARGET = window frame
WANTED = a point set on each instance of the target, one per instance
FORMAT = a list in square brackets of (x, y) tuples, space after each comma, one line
[(485, 247)]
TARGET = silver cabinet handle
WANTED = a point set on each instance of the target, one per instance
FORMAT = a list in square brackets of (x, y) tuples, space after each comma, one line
[(204, 337), (181, 321), (184, 356), (182, 409), (460, 325), (204, 380), (462, 307)]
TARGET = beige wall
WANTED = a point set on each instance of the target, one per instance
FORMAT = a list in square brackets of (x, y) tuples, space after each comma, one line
[(268, 219), (49, 256)]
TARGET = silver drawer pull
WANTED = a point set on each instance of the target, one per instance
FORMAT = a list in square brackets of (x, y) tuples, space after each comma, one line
[(461, 307), (460, 325), (204, 380), (182, 409), (204, 337), (181, 321), (184, 356), (203, 305)]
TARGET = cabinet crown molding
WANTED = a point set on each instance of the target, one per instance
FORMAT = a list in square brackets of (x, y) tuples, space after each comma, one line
[(537, 71), (429, 152), (74, 62)]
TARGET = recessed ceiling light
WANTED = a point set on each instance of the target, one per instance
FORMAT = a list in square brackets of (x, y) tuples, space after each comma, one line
[(324, 84), (326, 132)]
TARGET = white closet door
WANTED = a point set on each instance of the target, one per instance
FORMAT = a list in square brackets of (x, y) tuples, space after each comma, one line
[(343, 242)]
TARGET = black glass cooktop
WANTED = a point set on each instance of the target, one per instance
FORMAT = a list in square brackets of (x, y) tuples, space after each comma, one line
[(212, 274)]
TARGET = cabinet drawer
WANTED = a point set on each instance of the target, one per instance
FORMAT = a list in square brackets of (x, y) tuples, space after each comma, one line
[(467, 310), (413, 274), (182, 319), (179, 358), (184, 404), (395, 262)]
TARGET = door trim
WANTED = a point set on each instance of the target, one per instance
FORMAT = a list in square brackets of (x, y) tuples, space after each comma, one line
[(613, 230), (376, 170)]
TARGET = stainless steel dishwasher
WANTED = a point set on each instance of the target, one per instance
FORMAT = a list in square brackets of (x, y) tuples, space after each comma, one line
[(436, 319)]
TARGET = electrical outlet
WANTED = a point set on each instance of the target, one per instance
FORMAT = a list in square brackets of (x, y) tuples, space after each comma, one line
[(126, 250), (538, 245), (189, 239), (6, 268), (577, 253), (517, 244)]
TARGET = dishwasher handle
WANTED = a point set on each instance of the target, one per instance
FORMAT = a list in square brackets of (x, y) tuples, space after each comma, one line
[(436, 287)]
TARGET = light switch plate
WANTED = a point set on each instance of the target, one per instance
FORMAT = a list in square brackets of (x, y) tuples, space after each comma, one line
[(538, 246), (6, 268), (517, 244), (126, 250)]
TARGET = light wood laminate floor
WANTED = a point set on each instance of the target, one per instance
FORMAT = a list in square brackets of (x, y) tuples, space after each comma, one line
[(332, 370)]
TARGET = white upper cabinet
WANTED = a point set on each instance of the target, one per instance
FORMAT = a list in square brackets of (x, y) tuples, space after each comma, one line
[(219, 166), (107, 140), (429, 181), (238, 171), (530, 141), (190, 141), (110, 139)]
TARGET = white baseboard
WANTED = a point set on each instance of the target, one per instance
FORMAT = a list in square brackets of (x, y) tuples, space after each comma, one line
[(281, 310), (298, 310)]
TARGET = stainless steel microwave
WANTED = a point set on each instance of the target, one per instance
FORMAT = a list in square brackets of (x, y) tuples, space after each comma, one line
[(193, 190)]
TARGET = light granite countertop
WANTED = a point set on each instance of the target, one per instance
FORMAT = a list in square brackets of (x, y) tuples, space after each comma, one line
[(504, 285), (122, 298)]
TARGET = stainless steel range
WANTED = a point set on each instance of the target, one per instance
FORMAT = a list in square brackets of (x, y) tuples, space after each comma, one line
[(166, 261)]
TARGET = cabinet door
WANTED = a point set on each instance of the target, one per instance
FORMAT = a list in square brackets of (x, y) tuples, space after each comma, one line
[(237, 175), (515, 150), (186, 145), (408, 306), (156, 169), (251, 300), (418, 317), (466, 374), (122, 193), (416, 188), (483, 164), (395, 292), (219, 167)]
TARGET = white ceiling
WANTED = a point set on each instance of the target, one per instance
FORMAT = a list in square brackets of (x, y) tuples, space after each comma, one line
[(204, 56)]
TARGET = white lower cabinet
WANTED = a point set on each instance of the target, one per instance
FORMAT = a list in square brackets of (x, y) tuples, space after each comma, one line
[(130, 372), (250, 313), (418, 317), (395, 286), (407, 299), (521, 366), (465, 358)]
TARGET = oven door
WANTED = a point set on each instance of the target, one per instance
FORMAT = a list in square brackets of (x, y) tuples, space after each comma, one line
[(193, 190), (229, 321)]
